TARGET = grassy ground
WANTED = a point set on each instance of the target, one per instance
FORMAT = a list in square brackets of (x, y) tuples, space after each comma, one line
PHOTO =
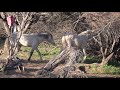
[(47, 52), (111, 68), (106, 69)]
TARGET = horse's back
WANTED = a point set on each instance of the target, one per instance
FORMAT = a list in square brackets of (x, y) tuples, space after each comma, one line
[(28, 40), (80, 41)]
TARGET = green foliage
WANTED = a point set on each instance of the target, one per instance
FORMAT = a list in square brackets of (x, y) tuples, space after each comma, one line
[(92, 59)]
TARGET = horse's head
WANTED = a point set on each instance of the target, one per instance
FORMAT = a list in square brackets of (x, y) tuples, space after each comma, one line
[(48, 37)]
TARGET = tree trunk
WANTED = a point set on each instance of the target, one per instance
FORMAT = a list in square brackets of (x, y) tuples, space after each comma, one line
[(105, 60)]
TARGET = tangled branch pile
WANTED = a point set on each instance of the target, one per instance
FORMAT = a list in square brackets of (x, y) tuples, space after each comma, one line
[(69, 57), (108, 40)]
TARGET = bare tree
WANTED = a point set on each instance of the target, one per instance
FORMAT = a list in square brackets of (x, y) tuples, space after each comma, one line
[(108, 39), (23, 21)]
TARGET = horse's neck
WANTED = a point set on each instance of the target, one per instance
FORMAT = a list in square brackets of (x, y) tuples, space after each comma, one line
[(92, 34), (16, 34), (41, 39)]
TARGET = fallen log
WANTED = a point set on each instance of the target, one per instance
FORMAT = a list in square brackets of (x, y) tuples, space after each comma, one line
[(69, 57)]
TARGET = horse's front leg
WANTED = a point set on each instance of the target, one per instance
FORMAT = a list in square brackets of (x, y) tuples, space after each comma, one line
[(18, 47), (31, 53), (69, 43), (39, 54), (85, 55)]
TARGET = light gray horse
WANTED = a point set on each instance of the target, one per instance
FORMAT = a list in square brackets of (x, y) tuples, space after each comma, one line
[(79, 41), (33, 40)]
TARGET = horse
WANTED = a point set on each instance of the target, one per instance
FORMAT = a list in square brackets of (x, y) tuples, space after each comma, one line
[(78, 40), (33, 40)]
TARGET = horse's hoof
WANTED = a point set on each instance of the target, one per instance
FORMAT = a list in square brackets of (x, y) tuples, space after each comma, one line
[(41, 60), (28, 60)]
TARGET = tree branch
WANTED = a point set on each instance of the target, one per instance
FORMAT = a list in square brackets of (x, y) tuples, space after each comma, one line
[(3, 18), (24, 16), (26, 27)]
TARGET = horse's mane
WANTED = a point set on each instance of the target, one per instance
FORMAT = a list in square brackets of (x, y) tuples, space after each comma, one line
[(44, 34)]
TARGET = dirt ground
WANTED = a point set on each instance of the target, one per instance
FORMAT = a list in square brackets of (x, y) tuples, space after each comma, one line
[(31, 68)]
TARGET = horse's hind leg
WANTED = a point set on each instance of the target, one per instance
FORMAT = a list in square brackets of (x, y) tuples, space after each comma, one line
[(31, 53), (64, 43), (39, 54)]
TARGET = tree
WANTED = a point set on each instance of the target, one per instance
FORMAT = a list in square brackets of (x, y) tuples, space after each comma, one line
[(23, 20), (108, 40)]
